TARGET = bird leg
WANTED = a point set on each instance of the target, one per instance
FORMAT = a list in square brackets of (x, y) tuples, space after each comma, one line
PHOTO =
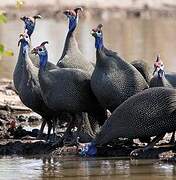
[(85, 131), (67, 133), (93, 124), (172, 140), (49, 123), (66, 136), (41, 129), (137, 152), (54, 128)]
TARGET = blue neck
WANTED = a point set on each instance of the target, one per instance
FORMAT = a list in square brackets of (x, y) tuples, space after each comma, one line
[(43, 60), (160, 74), (25, 47), (98, 42), (72, 23), (30, 27)]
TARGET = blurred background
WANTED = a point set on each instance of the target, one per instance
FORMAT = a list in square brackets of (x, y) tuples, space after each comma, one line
[(136, 29)]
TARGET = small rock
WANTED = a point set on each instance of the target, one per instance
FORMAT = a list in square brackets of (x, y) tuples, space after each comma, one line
[(168, 156), (2, 122), (9, 92), (6, 136), (10, 86), (20, 132), (21, 118), (35, 132), (3, 115), (33, 119)]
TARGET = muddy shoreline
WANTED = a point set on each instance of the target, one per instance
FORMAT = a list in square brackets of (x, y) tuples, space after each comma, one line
[(16, 140)]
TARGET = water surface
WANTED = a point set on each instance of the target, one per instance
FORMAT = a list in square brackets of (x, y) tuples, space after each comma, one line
[(70, 168)]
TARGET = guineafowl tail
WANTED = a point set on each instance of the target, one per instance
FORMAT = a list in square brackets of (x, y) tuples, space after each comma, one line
[(143, 68), (172, 102)]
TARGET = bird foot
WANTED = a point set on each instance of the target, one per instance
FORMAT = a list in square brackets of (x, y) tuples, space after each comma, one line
[(139, 153)]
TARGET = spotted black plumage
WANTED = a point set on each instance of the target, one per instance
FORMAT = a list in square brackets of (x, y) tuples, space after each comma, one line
[(113, 80), (146, 114)]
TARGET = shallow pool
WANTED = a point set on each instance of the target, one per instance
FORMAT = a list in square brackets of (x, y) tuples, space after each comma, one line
[(70, 167)]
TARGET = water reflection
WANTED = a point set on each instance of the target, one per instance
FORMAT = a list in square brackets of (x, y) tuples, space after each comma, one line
[(82, 168), (131, 38), (20, 168)]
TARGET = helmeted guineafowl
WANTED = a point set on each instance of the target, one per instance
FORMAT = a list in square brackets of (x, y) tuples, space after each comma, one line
[(113, 80)]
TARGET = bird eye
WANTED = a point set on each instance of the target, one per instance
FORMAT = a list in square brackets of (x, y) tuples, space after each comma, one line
[(99, 31), (26, 36), (40, 49)]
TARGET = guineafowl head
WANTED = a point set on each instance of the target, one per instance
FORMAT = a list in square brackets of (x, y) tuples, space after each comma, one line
[(72, 16), (30, 23), (24, 41), (159, 67), (98, 34), (89, 149), (42, 52)]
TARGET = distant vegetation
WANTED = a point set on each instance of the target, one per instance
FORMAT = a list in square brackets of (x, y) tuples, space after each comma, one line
[(3, 19), (19, 3)]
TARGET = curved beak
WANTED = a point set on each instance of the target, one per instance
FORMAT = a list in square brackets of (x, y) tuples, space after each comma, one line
[(81, 9), (66, 13), (19, 42), (34, 51), (38, 16), (23, 18), (21, 37), (78, 9), (93, 33)]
